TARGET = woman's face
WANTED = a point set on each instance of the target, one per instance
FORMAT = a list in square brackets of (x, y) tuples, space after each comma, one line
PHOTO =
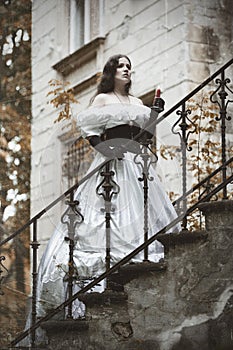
[(123, 71)]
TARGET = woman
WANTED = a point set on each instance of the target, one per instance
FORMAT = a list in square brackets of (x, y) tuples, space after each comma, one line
[(114, 118)]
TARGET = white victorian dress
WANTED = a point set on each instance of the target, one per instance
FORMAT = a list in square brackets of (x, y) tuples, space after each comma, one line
[(127, 212)]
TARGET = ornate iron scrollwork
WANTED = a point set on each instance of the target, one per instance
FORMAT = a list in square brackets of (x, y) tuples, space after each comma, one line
[(145, 164), (222, 91), (185, 123), (146, 161), (110, 188), (187, 127), (71, 217)]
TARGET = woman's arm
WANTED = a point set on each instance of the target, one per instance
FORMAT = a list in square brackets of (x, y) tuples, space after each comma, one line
[(99, 100)]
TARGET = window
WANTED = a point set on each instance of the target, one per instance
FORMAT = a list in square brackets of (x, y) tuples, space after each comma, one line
[(77, 157), (86, 22)]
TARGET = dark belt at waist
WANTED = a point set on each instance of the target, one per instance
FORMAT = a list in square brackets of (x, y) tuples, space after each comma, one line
[(123, 131)]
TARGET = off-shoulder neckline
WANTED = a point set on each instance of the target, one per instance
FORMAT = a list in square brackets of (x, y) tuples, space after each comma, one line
[(119, 105)]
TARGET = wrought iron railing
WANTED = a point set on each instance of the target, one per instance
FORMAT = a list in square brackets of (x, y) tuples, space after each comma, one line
[(185, 127), (116, 266), (183, 123)]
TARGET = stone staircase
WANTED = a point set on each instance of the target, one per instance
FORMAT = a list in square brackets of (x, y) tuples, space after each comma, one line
[(182, 303)]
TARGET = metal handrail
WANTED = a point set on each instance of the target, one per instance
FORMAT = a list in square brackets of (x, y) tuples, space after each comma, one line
[(122, 262), (202, 182), (194, 91), (53, 203)]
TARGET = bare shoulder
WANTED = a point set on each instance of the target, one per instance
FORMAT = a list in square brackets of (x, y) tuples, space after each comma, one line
[(135, 100), (100, 100)]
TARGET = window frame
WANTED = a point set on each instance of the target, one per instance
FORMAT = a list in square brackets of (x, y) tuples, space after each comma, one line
[(86, 36)]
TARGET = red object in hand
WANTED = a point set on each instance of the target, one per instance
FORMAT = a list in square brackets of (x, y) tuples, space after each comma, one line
[(158, 92), (157, 95), (158, 103)]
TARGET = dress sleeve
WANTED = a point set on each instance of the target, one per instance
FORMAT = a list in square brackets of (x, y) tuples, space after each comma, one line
[(92, 122), (95, 120)]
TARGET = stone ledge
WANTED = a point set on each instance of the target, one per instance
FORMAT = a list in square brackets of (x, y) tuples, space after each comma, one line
[(218, 215), (108, 297), (65, 325), (80, 57), (184, 237), (133, 270), (219, 206)]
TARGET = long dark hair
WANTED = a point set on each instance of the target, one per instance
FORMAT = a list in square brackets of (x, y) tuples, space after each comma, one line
[(107, 80)]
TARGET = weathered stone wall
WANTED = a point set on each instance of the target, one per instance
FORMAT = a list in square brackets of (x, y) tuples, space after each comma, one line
[(186, 305), (209, 37), (182, 308)]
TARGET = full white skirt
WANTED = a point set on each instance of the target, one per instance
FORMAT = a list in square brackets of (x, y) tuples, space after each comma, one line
[(126, 230)]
